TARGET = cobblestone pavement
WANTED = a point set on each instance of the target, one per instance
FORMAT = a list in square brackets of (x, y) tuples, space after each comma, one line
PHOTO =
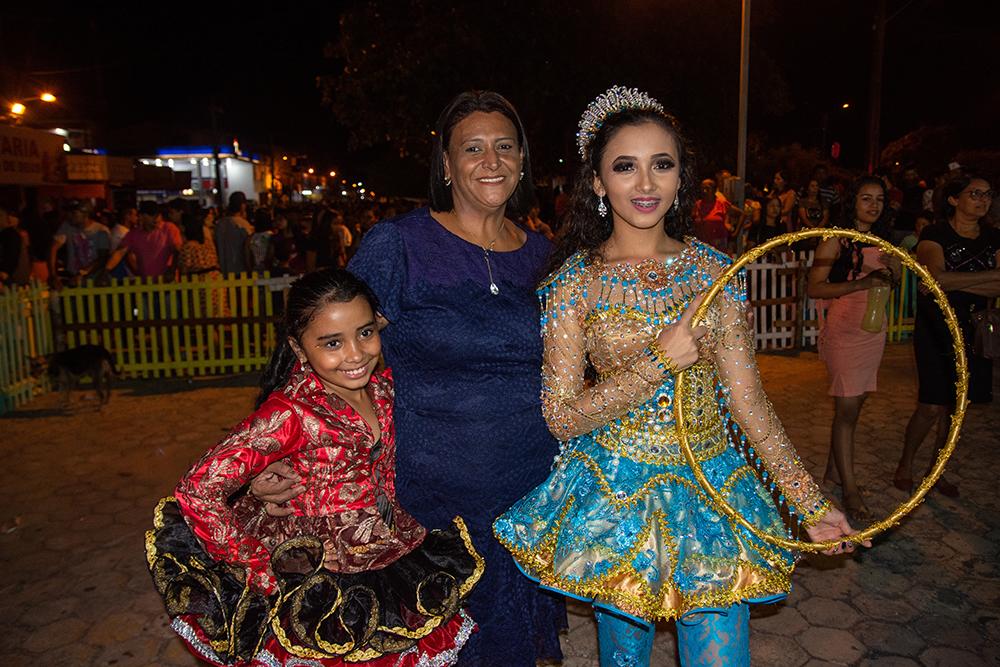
[(79, 490)]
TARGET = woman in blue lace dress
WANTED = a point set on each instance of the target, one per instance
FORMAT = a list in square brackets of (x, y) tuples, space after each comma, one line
[(620, 521), (456, 283)]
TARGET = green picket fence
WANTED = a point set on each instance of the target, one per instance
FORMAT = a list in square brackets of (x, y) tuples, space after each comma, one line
[(193, 326), (25, 332)]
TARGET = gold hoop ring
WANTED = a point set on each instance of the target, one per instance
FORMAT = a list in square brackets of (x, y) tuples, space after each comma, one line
[(961, 388)]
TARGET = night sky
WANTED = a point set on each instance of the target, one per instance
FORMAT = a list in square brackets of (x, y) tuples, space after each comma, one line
[(149, 78)]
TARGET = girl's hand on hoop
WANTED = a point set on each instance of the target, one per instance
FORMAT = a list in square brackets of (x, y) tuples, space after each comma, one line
[(679, 340), (834, 526)]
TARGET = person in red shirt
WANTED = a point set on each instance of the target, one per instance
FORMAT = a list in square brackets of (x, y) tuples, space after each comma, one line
[(150, 248), (710, 213)]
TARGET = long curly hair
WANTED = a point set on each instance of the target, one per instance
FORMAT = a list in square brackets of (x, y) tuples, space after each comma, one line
[(881, 227), (850, 259), (307, 295), (585, 229)]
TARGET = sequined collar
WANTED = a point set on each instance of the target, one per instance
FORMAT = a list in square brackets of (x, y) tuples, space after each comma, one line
[(652, 273)]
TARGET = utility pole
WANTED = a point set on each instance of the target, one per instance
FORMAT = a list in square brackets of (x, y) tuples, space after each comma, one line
[(875, 88), (741, 145), (214, 110)]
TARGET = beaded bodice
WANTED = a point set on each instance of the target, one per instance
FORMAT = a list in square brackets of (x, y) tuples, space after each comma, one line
[(606, 315)]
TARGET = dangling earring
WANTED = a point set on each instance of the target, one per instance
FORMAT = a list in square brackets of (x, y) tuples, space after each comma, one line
[(602, 208), (447, 182), (677, 203), (522, 176)]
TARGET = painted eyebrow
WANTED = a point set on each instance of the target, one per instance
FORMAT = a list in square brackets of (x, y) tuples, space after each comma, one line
[(337, 334), (474, 139), (653, 157)]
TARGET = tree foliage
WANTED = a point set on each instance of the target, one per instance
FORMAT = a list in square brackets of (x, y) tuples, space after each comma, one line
[(398, 63)]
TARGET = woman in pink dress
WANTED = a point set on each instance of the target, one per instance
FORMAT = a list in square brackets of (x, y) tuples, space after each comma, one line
[(842, 274)]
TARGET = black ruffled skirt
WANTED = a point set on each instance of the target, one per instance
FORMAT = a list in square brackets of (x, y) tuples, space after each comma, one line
[(408, 607)]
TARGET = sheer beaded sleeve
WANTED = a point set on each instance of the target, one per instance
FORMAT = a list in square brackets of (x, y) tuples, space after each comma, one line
[(570, 408), (733, 343)]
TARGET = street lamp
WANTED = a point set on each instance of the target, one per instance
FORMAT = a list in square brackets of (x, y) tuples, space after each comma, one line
[(18, 109)]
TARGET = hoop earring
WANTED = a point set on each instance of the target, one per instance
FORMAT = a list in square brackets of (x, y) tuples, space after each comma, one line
[(602, 208)]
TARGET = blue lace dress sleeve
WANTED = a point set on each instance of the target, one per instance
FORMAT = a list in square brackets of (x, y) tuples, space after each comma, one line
[(380, 262)]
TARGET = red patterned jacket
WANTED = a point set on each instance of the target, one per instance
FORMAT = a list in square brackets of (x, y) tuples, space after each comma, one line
[(344, 471)]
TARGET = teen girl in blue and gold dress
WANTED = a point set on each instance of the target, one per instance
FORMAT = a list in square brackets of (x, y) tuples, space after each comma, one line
[(621, 521)]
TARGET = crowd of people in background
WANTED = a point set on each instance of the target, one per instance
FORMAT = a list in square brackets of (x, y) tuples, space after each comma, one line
[(781, 207), (76, 241)]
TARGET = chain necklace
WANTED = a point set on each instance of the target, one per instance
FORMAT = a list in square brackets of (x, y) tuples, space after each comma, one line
[(487, 249)]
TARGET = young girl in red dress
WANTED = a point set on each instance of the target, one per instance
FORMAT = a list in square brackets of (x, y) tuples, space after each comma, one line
[(348, 576)]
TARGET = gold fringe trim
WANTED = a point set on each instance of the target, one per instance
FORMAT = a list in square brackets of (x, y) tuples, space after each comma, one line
[(628, 590), (293, 597), (346, 651)]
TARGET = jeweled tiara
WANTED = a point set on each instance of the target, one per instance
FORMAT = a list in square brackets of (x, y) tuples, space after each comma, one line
[(613, 100)]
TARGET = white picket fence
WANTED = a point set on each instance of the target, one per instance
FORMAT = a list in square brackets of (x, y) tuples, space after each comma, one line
[(776, 292), (778, 289)]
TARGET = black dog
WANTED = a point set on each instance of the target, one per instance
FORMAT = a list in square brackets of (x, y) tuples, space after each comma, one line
[(68, 366)]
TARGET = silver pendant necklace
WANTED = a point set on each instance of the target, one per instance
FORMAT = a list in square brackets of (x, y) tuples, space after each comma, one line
[(494, 290)]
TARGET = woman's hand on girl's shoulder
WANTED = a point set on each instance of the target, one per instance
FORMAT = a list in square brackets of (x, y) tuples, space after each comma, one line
[(275, 486)]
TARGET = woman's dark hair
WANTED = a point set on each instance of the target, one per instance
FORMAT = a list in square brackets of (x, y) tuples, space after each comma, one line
[(850, 260), (462, 106), (585, 229), (882, 226), (194, 227), (953, 188), (307, 295)]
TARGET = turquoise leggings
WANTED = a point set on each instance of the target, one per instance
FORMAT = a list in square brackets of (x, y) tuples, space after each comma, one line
[(705, 639)]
